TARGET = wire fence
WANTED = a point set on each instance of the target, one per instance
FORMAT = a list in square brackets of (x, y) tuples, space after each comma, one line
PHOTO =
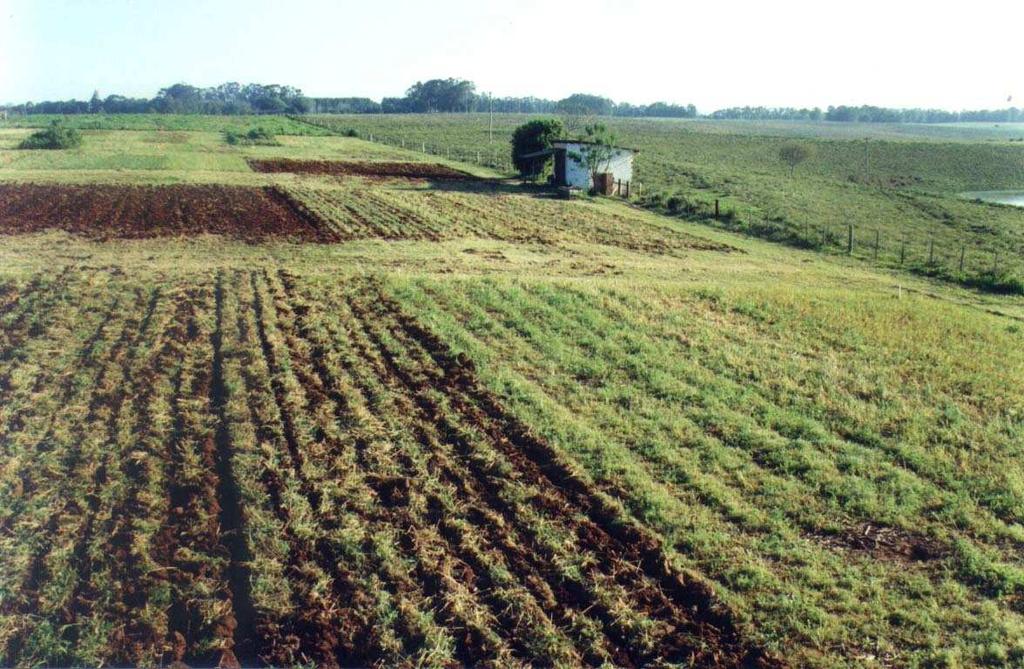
[(492, 157), (496, 157), (998, 269)]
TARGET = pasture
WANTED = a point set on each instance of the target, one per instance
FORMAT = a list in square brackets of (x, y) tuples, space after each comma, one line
[(898, 186), (357, 415)]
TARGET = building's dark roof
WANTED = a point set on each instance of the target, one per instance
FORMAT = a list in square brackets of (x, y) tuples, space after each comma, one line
[(583, 141)]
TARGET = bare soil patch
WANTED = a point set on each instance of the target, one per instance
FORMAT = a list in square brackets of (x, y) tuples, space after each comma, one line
[(886, 543), (109, 211), (389, 170)]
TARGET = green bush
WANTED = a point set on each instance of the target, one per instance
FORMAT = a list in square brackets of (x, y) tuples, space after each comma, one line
[(536, 135), (258, 136), (57, 136), (996, 282)]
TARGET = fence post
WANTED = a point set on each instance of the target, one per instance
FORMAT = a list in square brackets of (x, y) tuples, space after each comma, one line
[(878, 242), (963, 251), (903, 251), (716, 208), (403, 142), (478, 156), (849, 239), (931, 251), (627, 190)]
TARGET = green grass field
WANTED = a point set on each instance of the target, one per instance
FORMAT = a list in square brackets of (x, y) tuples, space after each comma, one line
[(483, 425), (899, 186)]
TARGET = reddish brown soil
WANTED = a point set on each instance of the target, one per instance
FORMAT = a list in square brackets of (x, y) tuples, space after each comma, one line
[(134, 212), (431, 171)]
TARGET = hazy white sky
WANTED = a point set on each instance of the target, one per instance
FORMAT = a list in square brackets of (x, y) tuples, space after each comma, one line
[(713, 53)]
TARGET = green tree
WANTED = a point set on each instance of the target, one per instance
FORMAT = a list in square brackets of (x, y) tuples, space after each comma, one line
[(793, 154), (596, 153), (533, 136)]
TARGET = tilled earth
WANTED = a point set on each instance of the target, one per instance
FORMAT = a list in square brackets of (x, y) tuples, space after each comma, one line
[(112, 211), (242, 469)]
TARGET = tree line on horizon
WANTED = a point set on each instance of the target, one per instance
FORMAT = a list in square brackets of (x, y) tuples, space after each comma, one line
[(870, 114), (460, 96)]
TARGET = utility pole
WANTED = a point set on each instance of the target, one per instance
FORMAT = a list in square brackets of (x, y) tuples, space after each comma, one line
[(490, 118)]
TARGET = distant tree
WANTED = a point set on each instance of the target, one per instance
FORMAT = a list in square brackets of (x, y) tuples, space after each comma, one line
[(95, 103), (579, 109), (441, 95), (596, 153), (536, 135), (665, 110), (584, 103), (793, 154)]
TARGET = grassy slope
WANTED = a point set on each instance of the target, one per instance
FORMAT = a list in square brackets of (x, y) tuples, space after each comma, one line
[(908, 191), (753, 408)]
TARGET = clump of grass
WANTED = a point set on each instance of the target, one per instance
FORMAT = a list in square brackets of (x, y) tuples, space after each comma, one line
[(56, 136), (258, 136)]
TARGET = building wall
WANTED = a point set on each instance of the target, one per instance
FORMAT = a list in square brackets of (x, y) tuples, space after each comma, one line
[(621, 166)]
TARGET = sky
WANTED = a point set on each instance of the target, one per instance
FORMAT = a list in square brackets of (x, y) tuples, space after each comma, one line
[(721, 53)]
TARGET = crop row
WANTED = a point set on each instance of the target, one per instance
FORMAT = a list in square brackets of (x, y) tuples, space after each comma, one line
[(358, 211), (239, 470)]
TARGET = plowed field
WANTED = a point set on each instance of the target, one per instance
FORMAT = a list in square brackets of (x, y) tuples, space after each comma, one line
[(244, 471), (110, 211)]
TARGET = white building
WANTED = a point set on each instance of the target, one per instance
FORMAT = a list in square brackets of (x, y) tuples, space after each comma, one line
[(572, 169), (574, 172)]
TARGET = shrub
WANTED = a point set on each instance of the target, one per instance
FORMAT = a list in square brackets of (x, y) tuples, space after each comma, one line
[(57, 136), (253, 137), (676, 203), (531, 137), (996, 282), (351, 132)]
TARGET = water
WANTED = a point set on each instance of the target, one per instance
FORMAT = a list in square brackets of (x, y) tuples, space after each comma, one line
[(1014, 197)]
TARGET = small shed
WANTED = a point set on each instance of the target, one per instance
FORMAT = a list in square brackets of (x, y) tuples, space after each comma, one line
[(570, 171)]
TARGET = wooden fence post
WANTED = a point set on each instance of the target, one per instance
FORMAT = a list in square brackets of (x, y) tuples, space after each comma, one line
[(903, 251), (931, 251), (963, 251), (849, 239), (716, 208), (878, 242)]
